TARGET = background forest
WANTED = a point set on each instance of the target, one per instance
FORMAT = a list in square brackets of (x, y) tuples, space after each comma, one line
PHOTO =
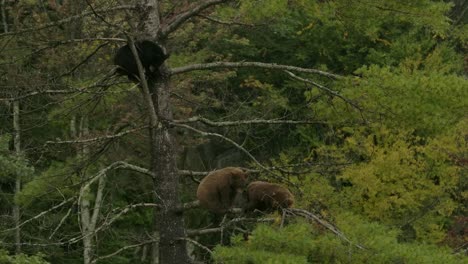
[(358, 107)]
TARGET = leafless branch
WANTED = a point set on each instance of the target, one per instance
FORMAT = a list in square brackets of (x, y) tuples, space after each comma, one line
[(332, 228), (190, 205), (121, 249), (109, 222), (224, 226), (203, 133), (229, 23), (62, 220), (89, 140), (123, 211), (195, 173), (82, 62), (68, 20), (197, 244), (323, 88), (224, 138), (182, 17), (244, 122), (102, 173), (245, 64), (40, 92), (85, 89), (237, 146), (41, 214)]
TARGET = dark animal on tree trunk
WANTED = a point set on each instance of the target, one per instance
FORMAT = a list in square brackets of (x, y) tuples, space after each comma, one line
[(218, 190), (150, 54), (265, 196)]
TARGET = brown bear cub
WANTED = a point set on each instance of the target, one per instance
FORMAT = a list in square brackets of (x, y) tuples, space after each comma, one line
[(265, 196), (218, 190)]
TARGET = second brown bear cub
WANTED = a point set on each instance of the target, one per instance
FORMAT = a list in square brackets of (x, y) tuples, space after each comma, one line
[(218, 190), (265, 196)]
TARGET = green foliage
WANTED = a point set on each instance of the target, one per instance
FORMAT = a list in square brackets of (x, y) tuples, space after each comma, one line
[(427, 102), (382, 244), (269, 245), (21, 258), (405, 181), (12, 166), (48, 182), (392, 169), (307, 243)]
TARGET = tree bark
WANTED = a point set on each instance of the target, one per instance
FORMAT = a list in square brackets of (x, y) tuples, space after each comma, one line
[(88, 216), (17, 143), (172, 246)]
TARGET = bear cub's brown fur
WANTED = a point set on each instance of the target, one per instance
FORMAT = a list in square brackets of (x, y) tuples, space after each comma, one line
[(265, 196), (218, 190)]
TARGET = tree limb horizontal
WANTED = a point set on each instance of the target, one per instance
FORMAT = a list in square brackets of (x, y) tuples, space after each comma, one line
[(246, 64), (221, 228), (89, 140), (244, 122)]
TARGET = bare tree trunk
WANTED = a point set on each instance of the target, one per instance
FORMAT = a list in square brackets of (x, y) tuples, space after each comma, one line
[(88, 221), (172, 246), (17, 142), (85, 217), (85, 227), (88, 216)]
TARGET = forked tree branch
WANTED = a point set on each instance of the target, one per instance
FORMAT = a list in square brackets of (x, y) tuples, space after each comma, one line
[(182, 17), (41, 214)]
